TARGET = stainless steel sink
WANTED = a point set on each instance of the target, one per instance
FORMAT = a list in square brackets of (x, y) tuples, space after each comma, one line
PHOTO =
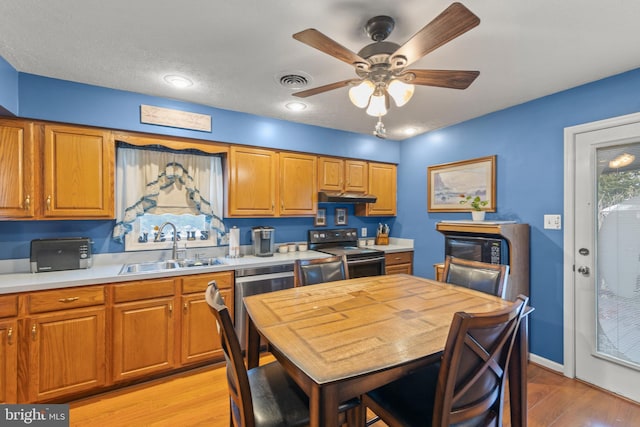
[(150, 267)]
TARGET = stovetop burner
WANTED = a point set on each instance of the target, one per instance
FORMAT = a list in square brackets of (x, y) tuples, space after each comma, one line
[(340, 241)]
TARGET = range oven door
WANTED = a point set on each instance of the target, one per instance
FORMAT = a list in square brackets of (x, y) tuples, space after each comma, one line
[(364, 267)]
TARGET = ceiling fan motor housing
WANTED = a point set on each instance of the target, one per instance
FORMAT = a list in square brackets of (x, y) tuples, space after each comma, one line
[(379, 27)]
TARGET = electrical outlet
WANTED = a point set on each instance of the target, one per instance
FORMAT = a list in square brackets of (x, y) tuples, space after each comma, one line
[(363, 232), (553, 222)]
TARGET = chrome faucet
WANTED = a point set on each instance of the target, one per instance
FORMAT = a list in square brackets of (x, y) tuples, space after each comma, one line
[(174, 249)]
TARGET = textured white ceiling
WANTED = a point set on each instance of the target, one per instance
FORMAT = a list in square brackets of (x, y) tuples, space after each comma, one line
[(235, 51)]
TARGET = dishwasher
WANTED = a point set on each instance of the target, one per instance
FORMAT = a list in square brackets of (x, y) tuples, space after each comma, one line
[(253, 281)]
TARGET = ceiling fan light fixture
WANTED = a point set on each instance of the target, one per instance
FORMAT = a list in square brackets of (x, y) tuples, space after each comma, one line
[(400, 92), (360, 94), (378, 104)]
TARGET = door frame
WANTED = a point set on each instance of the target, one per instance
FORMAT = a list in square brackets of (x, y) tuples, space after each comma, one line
[(569, 362)]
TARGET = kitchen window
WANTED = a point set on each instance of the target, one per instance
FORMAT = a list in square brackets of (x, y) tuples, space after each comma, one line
[(156, 185)]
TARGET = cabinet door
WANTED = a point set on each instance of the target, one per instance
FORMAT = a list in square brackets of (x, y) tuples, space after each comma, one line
[(298, 184), (200, 338), (356, 173), (17, 169), (252, 182), (78, 172), (66, 352), (143, 338), (382, 184), (8, 361), (330, 174), (399, 262)]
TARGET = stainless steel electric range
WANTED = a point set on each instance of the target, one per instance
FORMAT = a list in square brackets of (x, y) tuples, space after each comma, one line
[(362, 261)]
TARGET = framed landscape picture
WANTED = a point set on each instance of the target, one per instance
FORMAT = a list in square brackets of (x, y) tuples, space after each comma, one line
[(449, 183), (321, 218), (341, 216)]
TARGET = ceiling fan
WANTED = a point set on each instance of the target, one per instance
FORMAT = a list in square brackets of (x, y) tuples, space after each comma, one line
[(381, 65)]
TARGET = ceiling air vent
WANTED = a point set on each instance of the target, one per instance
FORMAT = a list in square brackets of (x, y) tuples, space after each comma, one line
[(295, 80)]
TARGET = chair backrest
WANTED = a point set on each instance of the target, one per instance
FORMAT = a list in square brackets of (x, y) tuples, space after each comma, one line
[(481, 276), (239, 390), (474, 367), (320, 270)]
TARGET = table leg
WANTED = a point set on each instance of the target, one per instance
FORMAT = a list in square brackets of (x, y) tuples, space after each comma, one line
[(253, 344), (518, 375), (323, 407)]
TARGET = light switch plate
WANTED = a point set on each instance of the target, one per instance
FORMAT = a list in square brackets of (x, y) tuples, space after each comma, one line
[(553, 222), (363, 232)]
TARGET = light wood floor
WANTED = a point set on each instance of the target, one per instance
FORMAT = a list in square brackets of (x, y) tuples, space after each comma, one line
[(201, 399)]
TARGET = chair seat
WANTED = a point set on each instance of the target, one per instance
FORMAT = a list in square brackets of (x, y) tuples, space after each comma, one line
[(399, 397), (277, 399)]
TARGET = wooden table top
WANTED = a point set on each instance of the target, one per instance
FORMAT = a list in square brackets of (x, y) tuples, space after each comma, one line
[(337, 330)]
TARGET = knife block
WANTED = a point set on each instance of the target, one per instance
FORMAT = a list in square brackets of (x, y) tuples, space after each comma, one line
[(382, 239)]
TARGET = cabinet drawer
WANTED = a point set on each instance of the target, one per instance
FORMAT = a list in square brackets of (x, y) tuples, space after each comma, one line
[(199, 282), (144, 289), (398, 258), (8, 305), (61, 299)]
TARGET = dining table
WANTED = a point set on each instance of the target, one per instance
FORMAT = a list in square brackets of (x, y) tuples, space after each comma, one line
[(339, 340)]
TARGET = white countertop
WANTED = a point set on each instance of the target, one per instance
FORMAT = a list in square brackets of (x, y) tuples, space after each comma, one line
[(107, 267)]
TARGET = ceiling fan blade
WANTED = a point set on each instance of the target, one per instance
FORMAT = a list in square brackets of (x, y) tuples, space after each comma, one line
[(325, 88), (316, 39), (442, 78), (453, 22)]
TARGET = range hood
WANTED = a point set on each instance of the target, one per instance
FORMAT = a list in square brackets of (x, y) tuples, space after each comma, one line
[(337, 197)]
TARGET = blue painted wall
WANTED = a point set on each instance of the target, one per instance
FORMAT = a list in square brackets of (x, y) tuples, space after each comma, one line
[(8, 88), (529, 142), (63, 101)]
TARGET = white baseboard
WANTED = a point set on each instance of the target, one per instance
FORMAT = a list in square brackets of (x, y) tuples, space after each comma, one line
[(554, 366)]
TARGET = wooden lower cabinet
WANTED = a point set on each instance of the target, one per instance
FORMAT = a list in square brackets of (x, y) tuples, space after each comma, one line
[(399, 262), (66, 352), (8, 361), (144, 325), (70, 342), (199, 336)]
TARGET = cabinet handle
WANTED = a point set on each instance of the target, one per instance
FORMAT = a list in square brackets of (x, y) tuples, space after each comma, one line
[(49, 202), (185, 307), (27, 203), (34, 331), (10, 336), (170, 309), (273, 205), (70, 299), (282, 205)]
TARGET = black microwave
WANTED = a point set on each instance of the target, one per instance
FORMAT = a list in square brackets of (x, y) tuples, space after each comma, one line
[(477, 248)]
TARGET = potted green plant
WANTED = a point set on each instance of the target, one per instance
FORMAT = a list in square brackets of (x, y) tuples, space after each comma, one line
[(476, 204)]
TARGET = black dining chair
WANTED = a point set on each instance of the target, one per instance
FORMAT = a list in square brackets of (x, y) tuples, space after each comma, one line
[(265, 396), (466, 388), (320, 270), (481, 276)]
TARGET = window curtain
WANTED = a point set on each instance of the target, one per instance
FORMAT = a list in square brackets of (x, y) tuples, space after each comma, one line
[(149, 179)]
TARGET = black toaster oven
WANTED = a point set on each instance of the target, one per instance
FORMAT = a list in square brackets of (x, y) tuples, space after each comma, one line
[(71, 253)]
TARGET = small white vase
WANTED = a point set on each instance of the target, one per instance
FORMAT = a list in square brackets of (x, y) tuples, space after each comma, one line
[(477, 215)]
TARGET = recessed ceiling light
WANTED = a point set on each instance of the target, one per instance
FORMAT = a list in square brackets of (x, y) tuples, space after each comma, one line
[(410, 131), (296, 106), (178, 81)]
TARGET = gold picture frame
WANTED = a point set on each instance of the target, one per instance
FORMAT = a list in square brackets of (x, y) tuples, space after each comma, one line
[(448, 183)]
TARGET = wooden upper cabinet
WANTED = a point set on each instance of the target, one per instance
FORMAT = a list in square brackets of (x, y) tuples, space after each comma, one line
[(252, 183), (78, 172), (17, 177), (383, 185), (298, 190), (340, 175)]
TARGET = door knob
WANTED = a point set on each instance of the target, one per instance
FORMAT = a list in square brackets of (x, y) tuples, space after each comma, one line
[(584, 271)]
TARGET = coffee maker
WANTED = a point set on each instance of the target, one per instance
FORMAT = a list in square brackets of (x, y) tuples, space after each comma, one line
[(263, 240)]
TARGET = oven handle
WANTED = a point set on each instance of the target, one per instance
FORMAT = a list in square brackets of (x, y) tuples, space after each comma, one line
[(365, 261)]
